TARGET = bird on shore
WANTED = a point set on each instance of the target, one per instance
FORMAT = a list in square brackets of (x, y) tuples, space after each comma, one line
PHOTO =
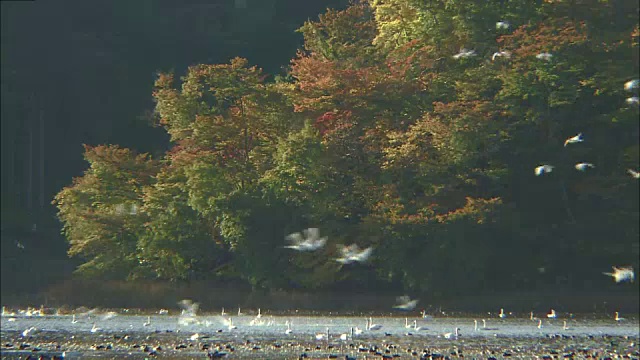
[(552, 314), (621, 274), (452, 335), (618, 318), (502, 314)]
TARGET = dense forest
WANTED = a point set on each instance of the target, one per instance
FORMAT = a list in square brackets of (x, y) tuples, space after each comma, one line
[(410, 126)]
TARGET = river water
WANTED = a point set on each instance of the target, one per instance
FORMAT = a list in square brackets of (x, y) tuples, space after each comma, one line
[(125, 336)]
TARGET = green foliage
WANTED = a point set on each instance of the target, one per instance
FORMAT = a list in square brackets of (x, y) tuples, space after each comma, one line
[(378, 136)]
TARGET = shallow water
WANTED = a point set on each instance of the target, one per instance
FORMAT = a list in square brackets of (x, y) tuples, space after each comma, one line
[(125, 336)]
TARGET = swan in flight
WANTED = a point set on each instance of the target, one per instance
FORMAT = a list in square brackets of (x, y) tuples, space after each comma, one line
[(189, 308), (464, 53), (583, 166), (405, 303), (308, 240), (163, 312), (574, 139), (504, 54), (543, 169), (544, 56), (502, 25), (633, 173), (352, 253), (634, 100), (632, 85), (621, 274)]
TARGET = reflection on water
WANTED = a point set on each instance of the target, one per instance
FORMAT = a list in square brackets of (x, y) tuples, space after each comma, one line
[(123, 332)]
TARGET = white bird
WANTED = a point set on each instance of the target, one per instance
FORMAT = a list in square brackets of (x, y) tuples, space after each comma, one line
[(531, 316), (634, 174), (73, 319), (539, 324), (484, 325), (632, 85), (416, 327), (323, 336), (505, 54), (222, 313), (618, 318), (464, 53), (502, 314), (544, 56), (288, 331), (309, 240), (163, 312), (194, 337), (406, 323), (622, 274), (344, 336), (583, 166), (357, 331), (405, 303), (452, 335), (564, 325), (502, 25), (634, 100), (574, 139), (352, 253), (148, 321), (552, 314), (229, 323), (239, 312), (543, 169), (475, 325), (109, 315), (26, 332), (372, 326), (95, 328), (189, 308)]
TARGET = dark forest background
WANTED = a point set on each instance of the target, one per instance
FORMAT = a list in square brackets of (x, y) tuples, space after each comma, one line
[(77, 72), (211, 129)]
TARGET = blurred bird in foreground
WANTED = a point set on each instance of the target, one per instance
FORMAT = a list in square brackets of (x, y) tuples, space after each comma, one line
[(574, 139), (621, 274)]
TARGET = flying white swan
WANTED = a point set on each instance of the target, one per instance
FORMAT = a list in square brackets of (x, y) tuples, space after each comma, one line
[(621, 274), (308, 240)]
